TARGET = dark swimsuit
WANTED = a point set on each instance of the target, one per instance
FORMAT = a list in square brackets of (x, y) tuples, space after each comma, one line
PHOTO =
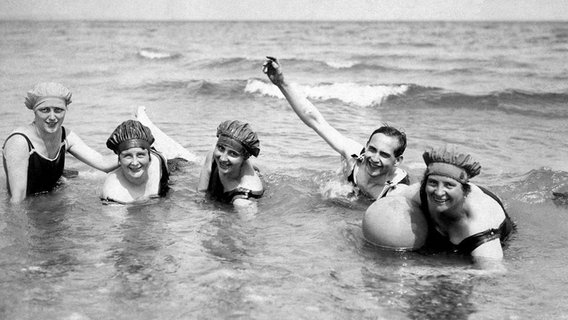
[(43, 173), (467, 245), (215, 189), (389, 184), (165, 177)]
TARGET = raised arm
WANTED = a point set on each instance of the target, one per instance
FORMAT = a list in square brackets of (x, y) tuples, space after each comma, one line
[(16, 153), (86, 154), (308, 113)]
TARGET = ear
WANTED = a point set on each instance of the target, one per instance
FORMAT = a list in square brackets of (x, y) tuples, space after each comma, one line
[(398, 160)]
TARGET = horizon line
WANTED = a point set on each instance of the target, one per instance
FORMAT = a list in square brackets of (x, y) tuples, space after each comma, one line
[(23, 19)]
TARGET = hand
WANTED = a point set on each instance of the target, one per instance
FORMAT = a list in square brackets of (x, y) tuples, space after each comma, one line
[(272, 69)]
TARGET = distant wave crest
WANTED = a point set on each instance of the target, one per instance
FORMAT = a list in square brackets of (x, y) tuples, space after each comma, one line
[(155, 54), (352, 93)]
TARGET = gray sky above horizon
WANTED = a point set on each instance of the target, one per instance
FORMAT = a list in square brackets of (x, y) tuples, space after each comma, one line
[(285, 9)]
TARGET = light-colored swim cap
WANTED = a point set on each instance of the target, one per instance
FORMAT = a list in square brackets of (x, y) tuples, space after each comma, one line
[(46, 91)]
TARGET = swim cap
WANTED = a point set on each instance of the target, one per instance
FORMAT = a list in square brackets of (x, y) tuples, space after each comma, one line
[(130, 134), (241, 133), (452, 164), (46, 91)]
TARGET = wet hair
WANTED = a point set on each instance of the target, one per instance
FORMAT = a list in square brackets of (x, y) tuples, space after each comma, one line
[(393, 132), (466, 187)]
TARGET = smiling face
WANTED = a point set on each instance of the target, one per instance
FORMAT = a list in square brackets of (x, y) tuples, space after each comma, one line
[(229, 161), (49, 117), (134, 164), (445, 195), (379, 155)]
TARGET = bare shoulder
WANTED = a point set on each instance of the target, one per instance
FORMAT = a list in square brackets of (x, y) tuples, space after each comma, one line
[(481, 205), (251, 180), (16, 148), (111, 184)]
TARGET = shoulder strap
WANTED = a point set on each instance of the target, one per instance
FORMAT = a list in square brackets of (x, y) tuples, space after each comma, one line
[(30, 145)]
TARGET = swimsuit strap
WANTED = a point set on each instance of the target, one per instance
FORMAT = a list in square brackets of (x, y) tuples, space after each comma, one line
[(472, 242), (30, 144), (352, 178), (165, 173), (242, 193)]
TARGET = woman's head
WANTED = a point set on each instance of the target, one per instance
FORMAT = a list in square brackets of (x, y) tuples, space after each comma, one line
[(131, 141), (49, 102), (235, 144), (239, 136), (446, 179)]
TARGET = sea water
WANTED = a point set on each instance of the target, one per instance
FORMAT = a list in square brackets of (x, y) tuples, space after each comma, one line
[(494, 89)]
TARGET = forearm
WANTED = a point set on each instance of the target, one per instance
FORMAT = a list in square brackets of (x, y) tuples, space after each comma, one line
[(17, 196), (97, 161), (305, 110)]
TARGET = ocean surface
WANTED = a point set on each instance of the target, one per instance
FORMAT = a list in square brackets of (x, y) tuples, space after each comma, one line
[(498, 90)]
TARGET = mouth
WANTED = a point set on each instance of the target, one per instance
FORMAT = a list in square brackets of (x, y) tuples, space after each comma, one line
[(135, 169), (224, 165), (439, 200), (374, 165)]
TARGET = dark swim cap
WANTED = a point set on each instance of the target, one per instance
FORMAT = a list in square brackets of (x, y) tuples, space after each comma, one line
[(452, 164), (130, 134), (240, 132)]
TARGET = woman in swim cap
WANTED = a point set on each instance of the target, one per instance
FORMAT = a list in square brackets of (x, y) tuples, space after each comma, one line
[(463, 217), (228, 174), (34, 155), (142, 171)]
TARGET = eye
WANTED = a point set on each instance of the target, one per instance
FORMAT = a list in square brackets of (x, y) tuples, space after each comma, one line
[(450, 185), (234, 154), (43, 110), (220, 147), (385, 155), (59, 110)]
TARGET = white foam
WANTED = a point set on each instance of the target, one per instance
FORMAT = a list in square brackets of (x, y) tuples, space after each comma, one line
[(154, 54), (352, 93), (341, 64)]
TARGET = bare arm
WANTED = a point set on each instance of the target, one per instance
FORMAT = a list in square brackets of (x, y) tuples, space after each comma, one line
[(205, 173), (489, 257), (17, 156), (86, 154), (308, 113), (245, 208)]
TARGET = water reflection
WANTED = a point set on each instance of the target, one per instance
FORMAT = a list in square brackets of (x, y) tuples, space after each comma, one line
[(138, 256), (423, 287)]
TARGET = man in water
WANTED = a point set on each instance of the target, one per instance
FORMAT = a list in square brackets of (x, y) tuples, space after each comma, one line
[(372, 169)]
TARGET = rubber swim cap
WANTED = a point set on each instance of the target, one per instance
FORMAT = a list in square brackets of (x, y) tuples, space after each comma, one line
[(46, 91), (450, 163), (130, 134), (240, 132), (393, 223)]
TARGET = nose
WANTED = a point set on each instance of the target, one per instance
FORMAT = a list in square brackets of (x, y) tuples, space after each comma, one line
[(439, 191), (376, 158), (51, 115), (223, 156)]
